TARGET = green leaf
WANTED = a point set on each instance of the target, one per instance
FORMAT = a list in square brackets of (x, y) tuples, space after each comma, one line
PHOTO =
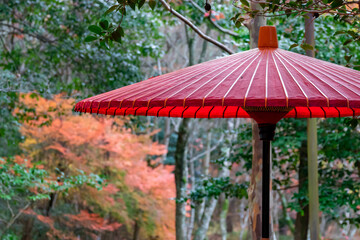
[(152, 4), (123, 11), (104, 24), (347, 58), (288, 12), (103, 43), (293, 45), (132, 4), (95, 29), (275, 8), (352, 33), (90, 38), (339, 32), (238, 23), (336, 3), (306, 46), (117, 34), (347, 42), (141, 3), (111, 9), (246, 3), (308, 3)]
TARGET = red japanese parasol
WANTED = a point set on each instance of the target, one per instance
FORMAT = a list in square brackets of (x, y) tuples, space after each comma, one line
[(266, 84)]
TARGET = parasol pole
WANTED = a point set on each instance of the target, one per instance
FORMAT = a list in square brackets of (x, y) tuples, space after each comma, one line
[(266, 132)]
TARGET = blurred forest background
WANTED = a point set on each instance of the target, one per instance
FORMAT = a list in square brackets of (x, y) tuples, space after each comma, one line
[(70, 176)]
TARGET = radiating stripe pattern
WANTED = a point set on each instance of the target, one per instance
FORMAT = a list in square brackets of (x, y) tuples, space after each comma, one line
[(224, 87)]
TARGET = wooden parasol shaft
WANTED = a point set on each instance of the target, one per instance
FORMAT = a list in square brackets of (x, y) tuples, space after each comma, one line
[(266, 132)]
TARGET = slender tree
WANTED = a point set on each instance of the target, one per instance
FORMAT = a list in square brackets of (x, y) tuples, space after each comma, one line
[(256, 170)]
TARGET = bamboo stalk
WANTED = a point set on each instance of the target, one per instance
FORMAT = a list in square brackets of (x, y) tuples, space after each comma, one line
[(313, 179), (312, 146)]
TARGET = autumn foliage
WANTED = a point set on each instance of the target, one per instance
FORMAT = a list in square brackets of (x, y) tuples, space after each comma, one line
[(136, 197)]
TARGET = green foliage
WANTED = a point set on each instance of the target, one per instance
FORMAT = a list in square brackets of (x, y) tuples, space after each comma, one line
[(51, 51), (10, 236), (108, 32), (338, 159), (34, 183), (332, 39), (214, 187), (338, 166), (23, 185), (339, 170)]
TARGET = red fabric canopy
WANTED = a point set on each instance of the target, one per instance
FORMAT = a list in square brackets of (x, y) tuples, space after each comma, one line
[(266, 79)]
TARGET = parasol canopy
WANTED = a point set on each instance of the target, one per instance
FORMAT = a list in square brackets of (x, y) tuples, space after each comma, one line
[(263, 79), (266, 84)]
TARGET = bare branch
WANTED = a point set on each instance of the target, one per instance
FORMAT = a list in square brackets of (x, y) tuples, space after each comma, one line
[(197, 30), (226, 31)]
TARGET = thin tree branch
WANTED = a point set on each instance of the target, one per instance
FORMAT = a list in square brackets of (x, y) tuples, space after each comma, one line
[(40, 37), (10, 209), (197, 30), (8, 90), (286, 188), (211, 150), (226, 31), (13, 219)]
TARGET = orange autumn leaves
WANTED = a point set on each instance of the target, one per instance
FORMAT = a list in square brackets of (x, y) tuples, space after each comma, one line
[(102, 145)]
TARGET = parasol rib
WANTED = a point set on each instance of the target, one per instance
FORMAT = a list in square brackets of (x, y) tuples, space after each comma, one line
[(282, 81), (307, 79), (292, 76), (327, 83)]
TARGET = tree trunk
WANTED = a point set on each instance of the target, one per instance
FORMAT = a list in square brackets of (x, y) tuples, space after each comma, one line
[(204, 46), (27, 229), (209, 210), (255, 24), (167, 133), (205, 220), (232, 217), (302, 219), (181, 178), (181, 169), (205, 166), (255, 188), (190, 43), (211, 203), (167, 122), (193, 186), (256, 172), (223, 214), (136, 231)]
